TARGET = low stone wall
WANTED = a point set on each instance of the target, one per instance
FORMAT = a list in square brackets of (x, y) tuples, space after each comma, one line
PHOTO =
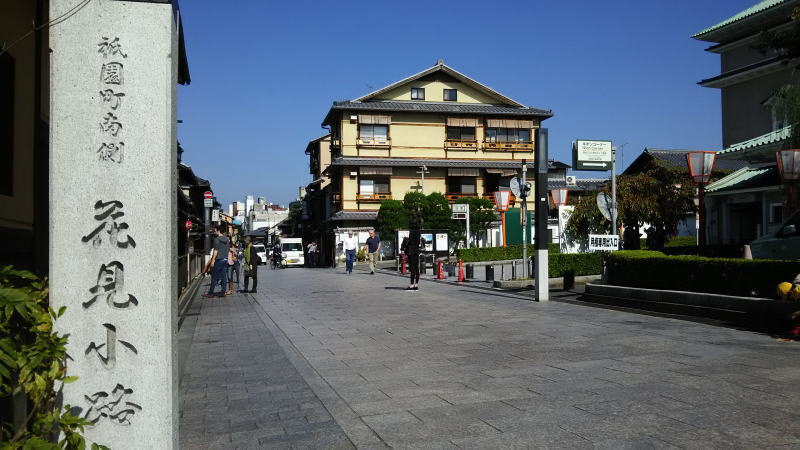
[(556, 283)]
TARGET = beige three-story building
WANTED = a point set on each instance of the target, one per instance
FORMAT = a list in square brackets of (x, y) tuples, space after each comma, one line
[(435, 131)]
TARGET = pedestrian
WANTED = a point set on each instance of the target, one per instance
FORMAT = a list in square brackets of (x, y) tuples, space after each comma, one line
[(312, 254), (372, 248), (251, 263), (233, 266), (411, 248), (350, 251), (218, 263)]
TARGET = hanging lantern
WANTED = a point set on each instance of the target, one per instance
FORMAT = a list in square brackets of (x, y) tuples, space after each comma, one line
[(701, 164), (789, 165), (559, 196)]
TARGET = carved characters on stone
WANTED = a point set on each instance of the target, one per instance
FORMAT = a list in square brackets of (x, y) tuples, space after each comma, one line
[(110, 47), (114, 99), (111, 287), (111, 152), (110, 124), (115, 406), (108, 213), (109, 360), (111, 73)]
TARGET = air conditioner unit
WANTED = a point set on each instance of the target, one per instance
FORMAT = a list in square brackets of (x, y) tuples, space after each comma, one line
[(572, 180), (353, 174), (353, 118)]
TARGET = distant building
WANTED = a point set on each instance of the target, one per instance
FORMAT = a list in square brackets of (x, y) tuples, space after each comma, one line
[(749, 202)]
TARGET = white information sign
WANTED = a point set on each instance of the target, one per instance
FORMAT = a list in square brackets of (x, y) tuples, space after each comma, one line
[(592, 155), (603, 242), (441, 242)]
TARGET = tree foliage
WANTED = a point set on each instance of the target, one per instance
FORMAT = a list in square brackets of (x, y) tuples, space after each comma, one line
[(785, 43), (660, 197), (481, 216), (33, 363), (392, 216)]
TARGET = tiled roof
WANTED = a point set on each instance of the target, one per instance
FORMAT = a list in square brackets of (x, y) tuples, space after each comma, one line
[(678, 158), (353, 215), (467, 163), (765, 139), (437, 107), (585, 184), (745, 178), (755, 9)]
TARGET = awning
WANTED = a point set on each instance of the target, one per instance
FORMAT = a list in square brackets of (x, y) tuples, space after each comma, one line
[(508, 123), (461, 122), (503, 172), (463, 172), (368, 119), (375, 171)]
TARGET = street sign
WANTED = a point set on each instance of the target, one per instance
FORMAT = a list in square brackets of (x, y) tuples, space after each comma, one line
[(188, 225), (592, 155), (460, 208), (215, 215), (208, 194), (603, 242), (208, 199), (605, 204)]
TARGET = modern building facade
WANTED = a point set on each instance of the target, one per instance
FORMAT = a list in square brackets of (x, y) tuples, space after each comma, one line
[(748, 203), (435, 131)]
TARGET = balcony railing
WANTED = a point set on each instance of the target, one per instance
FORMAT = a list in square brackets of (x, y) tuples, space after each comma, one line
[(373, 197), (460, 144), (374, 142), (453, 196), (509, 146)]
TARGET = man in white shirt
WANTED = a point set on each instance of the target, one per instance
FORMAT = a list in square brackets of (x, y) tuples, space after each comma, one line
[(349, 245)]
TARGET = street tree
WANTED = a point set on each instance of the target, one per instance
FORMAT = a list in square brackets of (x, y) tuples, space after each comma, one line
[(392, 216), (785, 42)]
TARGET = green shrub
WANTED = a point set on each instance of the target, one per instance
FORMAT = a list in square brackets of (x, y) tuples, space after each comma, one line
[(580, 263), (729, 276), (710, 251), (499, 253), (681, 241)]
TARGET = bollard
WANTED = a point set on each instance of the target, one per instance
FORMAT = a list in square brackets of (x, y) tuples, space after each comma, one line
[(569, 279), (514, 270), (489, 273), (422, 265), (441, 271), (461, 276), (403, 264), (470, 271)]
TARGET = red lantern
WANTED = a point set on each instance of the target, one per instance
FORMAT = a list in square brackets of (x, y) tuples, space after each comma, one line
[(701, 164), (188, 225), (789, 165), (559, 196)]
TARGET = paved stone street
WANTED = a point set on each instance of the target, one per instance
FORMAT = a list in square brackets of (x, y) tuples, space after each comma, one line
[(317, 355)]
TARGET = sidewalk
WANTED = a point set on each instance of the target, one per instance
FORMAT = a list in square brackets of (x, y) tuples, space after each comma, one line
[(239, 390)]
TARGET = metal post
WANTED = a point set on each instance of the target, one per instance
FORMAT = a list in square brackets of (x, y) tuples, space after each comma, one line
[(615, 229), (701, 209), (524, 212), (468, 212), (207, 226), (540, 182)]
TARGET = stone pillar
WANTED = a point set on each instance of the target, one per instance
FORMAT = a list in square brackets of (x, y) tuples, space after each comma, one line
[(113, 232)]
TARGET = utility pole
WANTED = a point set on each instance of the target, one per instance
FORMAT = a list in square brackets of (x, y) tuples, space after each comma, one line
[(423, 170), (540, 184), (523, 190)]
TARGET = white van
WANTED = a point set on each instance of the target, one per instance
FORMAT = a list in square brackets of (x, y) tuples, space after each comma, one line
[(292, 249)]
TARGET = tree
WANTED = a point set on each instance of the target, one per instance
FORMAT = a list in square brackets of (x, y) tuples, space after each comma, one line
[(786, 44), (436, 212), (660, 197), (392, 216), (414, 204)]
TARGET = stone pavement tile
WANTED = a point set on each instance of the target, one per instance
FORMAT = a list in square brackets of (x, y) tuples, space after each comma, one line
[(550, 437), (396, 405)]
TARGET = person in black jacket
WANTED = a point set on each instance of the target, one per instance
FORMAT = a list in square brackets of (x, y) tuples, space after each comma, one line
[(251, 263), (411, 248)]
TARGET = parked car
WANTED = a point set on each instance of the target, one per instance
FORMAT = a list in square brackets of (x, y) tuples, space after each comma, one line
[(781, 244), (261, 251), (292, 249)]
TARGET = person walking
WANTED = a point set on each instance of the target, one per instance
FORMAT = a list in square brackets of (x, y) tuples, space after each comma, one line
[(350, 245), (218, 263), (372, 248), (233, 266), (411, 248), (251, 263), (312, 254)]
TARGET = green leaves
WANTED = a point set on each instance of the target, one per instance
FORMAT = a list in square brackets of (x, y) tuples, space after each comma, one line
[(32, 362)]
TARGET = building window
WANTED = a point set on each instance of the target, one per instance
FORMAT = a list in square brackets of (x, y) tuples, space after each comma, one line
[(6, 124), (775, 213), (370, 132), (417, 93), (450, 95), (463, 134), (508, 135), (373, 185), (461, 185)]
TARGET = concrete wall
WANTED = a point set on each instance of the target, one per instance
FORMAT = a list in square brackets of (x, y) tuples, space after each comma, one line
[(743, 115)]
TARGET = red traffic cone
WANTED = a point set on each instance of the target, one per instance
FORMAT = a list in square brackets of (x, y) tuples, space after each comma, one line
[(461, 276), (441, 271)]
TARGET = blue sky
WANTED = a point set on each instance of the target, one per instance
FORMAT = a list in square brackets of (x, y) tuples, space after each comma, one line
[(264, 73)]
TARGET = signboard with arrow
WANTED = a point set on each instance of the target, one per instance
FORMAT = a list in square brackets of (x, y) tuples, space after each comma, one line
[(592, 155)]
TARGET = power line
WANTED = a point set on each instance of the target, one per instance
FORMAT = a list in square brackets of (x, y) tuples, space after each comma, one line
[(69, 13)]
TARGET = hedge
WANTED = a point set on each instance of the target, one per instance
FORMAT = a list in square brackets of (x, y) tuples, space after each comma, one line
[(711, 251), (729, 276), (499, 253), (580, 263)]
